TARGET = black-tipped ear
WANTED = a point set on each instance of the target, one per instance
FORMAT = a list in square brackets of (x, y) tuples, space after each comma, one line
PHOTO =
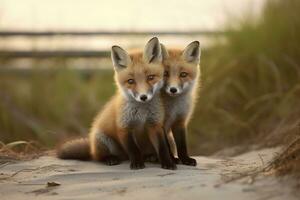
[(192, 52), (152, 52), (164, 51), (119, 57)]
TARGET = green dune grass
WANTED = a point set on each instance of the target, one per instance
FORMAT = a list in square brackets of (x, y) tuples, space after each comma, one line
[(250, 89), (251, 84)]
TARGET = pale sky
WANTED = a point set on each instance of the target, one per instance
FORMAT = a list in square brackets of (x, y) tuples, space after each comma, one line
[(121, 14)]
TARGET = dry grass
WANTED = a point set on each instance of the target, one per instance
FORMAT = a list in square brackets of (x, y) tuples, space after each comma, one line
[(20, 150), (251, 85), (288, 162), (49, 105)]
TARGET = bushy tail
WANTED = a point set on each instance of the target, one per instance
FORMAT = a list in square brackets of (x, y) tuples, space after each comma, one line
[(78, 149)]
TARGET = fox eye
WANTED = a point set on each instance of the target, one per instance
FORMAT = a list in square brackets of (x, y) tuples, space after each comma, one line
[(130, 81), (166, 74), (150, 77), (183, 74)]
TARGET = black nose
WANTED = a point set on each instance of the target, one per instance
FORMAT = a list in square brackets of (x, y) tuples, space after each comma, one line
[(173, 90), (143, 97)]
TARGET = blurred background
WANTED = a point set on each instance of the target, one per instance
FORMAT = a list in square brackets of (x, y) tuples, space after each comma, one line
[(56, 74)]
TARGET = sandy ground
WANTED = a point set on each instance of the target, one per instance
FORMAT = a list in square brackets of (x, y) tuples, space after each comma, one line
[(91, 180)]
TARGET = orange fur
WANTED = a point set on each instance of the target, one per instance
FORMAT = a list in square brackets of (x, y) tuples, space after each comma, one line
[(178, 65), (108, 120)]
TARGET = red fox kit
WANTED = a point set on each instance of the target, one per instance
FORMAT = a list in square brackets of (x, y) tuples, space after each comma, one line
[(179, 94), (134, 117)]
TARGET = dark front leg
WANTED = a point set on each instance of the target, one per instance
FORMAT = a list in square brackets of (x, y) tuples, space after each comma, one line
[(160, 143), (134, 153), (179, 132), (112, 160)]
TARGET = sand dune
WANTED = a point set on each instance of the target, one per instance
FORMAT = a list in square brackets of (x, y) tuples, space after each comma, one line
[(91, 180)]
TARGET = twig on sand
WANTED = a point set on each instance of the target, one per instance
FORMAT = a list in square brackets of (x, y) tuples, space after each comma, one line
[(4, 164), (49, 184), (262, 160), (17, 172), (250, 174), (30, 170), (52, 184)]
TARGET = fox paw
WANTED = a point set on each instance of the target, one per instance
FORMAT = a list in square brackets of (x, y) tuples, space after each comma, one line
[(176, 160), (189, 161), (137, 164), (112, 160), (168, 164)]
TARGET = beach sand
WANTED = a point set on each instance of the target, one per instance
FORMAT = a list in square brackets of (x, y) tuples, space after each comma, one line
[(50, 178)]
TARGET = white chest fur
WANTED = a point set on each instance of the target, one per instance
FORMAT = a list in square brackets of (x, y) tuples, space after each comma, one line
[(176, 108), (136, 114)]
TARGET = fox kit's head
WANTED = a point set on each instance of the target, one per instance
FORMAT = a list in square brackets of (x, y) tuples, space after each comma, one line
[(139, 75), (181, 68)]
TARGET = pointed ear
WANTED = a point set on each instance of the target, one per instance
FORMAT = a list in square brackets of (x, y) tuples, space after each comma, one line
[(120, 58), (164, 51), (152, 52), (192, 52)]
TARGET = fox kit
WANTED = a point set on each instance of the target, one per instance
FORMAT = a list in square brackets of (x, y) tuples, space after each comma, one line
[(131, 123), (179, 94)]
